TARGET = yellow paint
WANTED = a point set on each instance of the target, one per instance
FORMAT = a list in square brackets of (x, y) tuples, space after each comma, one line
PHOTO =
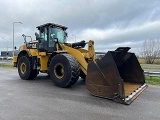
[(42, 53), (59, 70), (33, 52), (23, 68), (14, 59), (83, 56), (43, 60), (43, 63), (91, 50), (23, 47)]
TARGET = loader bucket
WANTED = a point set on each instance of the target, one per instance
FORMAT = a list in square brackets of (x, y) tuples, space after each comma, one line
[(117, 76)]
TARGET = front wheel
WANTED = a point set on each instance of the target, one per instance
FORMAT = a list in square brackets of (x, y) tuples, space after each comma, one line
[(64, 70)]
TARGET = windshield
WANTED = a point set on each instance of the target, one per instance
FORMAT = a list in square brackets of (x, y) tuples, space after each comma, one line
[(58, 33)]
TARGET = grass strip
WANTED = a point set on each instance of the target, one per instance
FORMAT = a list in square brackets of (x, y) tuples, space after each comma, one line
[(152, 80), (150, 66), (6, 65)]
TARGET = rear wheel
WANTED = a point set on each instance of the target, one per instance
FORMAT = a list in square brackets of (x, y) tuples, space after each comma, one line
[(64, 70), (25, 69)]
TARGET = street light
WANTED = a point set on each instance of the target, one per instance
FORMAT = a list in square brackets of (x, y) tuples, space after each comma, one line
[(13, 35)]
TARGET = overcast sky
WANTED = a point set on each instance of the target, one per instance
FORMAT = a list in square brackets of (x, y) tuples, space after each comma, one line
[(110, 23)]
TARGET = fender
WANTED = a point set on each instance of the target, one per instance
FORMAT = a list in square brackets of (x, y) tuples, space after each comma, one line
[(20, 54)]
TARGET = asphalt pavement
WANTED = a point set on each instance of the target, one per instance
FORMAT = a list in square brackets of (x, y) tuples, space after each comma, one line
[(40, 99)]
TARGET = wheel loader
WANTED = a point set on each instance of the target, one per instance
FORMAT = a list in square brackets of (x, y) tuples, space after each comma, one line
[(117, 75)]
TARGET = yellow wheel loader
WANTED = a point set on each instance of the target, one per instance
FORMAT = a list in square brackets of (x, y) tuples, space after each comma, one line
[(117, 76)]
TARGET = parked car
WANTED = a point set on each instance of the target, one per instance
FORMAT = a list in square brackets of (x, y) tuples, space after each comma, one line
[(9, 58), (1, 58)]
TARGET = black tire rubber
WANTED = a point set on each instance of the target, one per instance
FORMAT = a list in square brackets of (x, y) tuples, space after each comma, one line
[(29, 73), (70, 67), (82, 75)]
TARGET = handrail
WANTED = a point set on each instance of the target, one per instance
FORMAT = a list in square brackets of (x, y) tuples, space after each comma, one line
[(152, 73)]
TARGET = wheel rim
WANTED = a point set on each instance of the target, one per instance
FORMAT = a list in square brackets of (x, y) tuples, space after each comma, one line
[(59, 70), (23, 68)]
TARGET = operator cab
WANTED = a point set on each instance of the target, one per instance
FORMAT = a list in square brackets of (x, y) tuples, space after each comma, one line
[(49, 35)]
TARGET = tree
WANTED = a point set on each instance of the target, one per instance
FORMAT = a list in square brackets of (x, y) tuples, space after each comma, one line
[(151, 50)]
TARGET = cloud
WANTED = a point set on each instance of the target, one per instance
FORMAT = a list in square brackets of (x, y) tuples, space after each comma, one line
[(110, 39), (109, 23), (116, 35)]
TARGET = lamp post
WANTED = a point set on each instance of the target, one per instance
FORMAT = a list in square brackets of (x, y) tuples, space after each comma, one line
[(13, 35)]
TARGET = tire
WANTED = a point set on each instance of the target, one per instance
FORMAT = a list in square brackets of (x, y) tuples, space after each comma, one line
[(64, 70), (25, 70), (82, 75)]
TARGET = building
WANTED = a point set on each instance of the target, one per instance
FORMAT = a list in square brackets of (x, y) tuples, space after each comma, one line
[(6, 53)]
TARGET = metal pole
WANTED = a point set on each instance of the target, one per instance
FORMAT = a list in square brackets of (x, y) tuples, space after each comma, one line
[(13, 35), (13, 40)]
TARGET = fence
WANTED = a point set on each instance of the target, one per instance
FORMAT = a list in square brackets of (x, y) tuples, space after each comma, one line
[(152, 74)]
